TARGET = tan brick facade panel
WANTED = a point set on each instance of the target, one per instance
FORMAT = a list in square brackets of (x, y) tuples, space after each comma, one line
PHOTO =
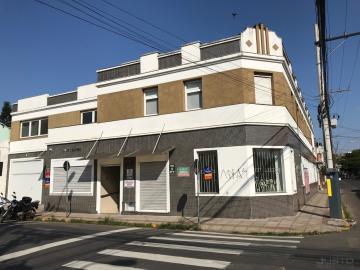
[(15, 131), (282, 97), (64, 119), (120, 105), (228, 88), (171, 97)]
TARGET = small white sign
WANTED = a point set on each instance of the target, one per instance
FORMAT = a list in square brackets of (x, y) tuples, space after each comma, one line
[(129, 183), (130, 174)]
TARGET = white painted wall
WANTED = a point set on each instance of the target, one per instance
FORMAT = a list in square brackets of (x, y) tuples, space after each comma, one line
[(312, 168), (275, 40), (31, 103), (149, 62), (27, 146), (4, 151), (248, 35), (236, 171), (190, 53)]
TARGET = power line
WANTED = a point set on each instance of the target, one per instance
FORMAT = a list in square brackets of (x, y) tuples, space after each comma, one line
[(92, 23), (116, 21), (136, 40)]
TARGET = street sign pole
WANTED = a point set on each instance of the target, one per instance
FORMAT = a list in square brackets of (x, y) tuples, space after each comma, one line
[(196, 170), (66, 167)]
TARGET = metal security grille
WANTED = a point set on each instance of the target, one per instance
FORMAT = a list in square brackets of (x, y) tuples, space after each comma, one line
[(219, 50), (170, 61), (208, 172), (268, 170), (119, 72)]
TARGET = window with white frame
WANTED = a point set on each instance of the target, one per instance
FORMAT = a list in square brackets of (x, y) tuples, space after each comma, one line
[(208, 171), (34, 128), (263, 89), (79, 177), (151, 101), (268, 170), (193, 96), (88, 117)]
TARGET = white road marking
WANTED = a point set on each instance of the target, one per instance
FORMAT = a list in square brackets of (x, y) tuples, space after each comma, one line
[(25, 252), (167, 258), (185, 247), (219, 242), (248, 235), (97, 266), (238, 238)]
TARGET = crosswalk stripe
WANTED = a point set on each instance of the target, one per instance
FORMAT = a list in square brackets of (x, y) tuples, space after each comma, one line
[(186, 247), (238, 238), (25, 252), (85, 265), (167, 258), (248, 235), (219, 242)]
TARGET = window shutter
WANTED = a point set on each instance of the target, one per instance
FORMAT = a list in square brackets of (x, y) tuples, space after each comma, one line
[(263, 90), (80, 180), (153, 189)]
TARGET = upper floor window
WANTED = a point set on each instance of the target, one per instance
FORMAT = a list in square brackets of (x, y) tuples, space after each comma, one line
[(34, 128), (89, 117), (151, 101), (263, 89), (193, 97)]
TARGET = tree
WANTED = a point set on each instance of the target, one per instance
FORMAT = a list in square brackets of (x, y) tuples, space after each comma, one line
[(5, 116), (350, 163)]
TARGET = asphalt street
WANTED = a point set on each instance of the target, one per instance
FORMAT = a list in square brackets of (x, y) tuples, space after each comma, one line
[(36, 245)]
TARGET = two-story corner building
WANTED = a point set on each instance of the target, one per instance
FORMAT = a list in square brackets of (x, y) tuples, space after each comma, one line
[(4, 152), (132, 138)]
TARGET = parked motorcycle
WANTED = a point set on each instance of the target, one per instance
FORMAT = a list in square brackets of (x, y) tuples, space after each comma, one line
[(19, 210), (3, 202)]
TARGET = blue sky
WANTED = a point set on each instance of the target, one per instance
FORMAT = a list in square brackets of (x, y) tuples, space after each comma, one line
[(44, 51)]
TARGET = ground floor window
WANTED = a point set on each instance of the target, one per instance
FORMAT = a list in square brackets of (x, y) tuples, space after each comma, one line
[(208, 172), (268, 170)]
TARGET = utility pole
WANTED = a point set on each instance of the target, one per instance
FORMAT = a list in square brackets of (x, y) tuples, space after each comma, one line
[(332, 178)]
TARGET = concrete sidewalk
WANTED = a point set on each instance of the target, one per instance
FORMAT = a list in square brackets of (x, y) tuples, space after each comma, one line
[(312, 218)]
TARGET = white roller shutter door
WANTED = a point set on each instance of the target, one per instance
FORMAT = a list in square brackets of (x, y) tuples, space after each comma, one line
[(80, 178), (25, 178), (153, 186)]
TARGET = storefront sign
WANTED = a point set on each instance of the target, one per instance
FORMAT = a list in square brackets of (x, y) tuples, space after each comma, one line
[(129, 183), (208, 176), (183, 171), (208, 173), (46, 183), (172, 168)]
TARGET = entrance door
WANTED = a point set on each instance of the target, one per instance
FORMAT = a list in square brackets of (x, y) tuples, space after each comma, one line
[(110, 189), (153, 186)]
